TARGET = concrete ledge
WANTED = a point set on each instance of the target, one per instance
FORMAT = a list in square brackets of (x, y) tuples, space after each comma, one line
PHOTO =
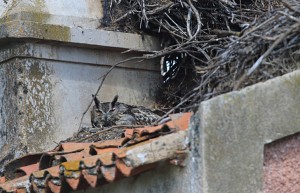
[(234, 128), (58, 12), (71, 54), (76, 35)]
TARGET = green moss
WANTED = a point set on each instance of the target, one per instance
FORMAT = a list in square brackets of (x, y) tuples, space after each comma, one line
[(38, 102), (297, 80)]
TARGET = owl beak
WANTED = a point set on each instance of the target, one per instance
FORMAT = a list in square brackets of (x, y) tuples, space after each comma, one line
[(105, 124)]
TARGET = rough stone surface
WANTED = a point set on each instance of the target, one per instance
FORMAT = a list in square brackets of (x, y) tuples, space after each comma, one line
[(46, 88), (74, 22), (234, 128), (80, 13), (282, 165), (52, 56)]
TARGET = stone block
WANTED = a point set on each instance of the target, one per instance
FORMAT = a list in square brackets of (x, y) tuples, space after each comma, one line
[(234, 128)]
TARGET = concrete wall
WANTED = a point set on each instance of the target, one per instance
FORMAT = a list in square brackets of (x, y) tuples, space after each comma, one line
[(52, 55), (227, 140), (80, 13), (46, 88)]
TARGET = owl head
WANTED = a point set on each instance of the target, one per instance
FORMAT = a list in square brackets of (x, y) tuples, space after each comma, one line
[(105, 114)]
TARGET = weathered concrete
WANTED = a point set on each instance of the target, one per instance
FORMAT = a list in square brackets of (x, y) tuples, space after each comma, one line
[(51, 58), (81, 13), (234, 128), (67, 21), (46, 88)]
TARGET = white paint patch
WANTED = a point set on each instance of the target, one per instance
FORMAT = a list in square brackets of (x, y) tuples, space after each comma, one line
[(142, 157)]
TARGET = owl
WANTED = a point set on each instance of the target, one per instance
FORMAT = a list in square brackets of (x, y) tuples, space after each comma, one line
[(114, 113)]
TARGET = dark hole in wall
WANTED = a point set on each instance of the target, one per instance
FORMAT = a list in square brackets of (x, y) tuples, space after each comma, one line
[(282, 165)]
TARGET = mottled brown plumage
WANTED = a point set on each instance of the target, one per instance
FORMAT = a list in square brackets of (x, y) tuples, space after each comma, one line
[(115, 113)]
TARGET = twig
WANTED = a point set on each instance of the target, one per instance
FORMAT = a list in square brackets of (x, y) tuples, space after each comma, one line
[(100, 86), (266, 54), (188, 23), (147, 56), (198, 19), (108, 129), (123, 16)]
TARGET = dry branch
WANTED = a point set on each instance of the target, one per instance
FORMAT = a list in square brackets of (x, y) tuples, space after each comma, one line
[(219, 45)]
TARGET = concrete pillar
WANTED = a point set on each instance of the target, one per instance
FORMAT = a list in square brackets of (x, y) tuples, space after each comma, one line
[(52, 55)]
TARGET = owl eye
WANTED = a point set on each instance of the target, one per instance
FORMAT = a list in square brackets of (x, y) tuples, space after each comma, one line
[(111, 110), (99, 111)]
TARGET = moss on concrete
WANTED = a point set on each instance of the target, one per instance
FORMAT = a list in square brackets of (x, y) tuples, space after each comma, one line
[(34, 18), (38, 119)]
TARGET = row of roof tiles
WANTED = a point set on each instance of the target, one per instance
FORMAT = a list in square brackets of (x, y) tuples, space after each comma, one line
[(74, 166)]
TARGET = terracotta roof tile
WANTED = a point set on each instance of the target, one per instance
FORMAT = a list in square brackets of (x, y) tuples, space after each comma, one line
[(73, 166), (18, 183), (54, 187), (2, 179)]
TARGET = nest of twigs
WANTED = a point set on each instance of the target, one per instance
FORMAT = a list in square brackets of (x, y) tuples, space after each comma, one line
[(213, 46)]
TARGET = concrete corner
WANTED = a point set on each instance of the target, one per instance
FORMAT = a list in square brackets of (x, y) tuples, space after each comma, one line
[(52, 56), (234, 128)]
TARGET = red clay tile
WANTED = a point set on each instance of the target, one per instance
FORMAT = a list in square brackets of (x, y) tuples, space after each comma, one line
[(54, 187), (130, 171), (106, 150), (147, 130), (12, 185), (93, 164), (12, 166), (181, 120), (91, 179), (139, 139), (73, 182), (21, 190), (125, 170), (29, 169), (39, 174), (72, 146), (128, 133), (106, 159), (91, 161), (109, 172), (2, 179), (109, 143), (75, 156)]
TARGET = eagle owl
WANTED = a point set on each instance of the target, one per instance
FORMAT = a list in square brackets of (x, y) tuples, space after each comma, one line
[(115, 113)]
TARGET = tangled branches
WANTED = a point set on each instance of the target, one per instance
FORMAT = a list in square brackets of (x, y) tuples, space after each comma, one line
[(213, 47)]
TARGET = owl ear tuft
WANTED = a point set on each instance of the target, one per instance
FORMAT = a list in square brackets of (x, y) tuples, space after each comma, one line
[(97, 102), (114, 101)]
